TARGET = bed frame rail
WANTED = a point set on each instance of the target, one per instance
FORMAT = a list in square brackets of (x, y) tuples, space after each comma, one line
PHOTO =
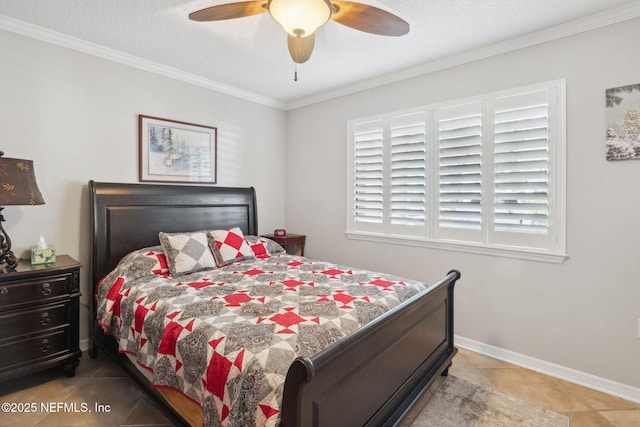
[(347, 382)]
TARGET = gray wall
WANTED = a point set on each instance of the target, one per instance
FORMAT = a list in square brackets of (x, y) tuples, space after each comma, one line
[(580, 314), (76, 117)]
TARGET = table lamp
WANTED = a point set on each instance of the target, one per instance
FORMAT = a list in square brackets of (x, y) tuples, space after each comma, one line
[(18, 188)]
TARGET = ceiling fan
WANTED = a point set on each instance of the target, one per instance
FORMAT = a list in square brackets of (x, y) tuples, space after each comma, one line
[(301, 18)]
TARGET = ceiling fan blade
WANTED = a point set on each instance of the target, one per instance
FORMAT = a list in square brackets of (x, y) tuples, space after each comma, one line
[(229, 11), (368, 19), (300, 48)]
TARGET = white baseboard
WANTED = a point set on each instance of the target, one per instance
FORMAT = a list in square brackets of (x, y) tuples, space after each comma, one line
[(568, 374)]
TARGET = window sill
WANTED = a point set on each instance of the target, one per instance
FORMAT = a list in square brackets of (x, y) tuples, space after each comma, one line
[(505, 252)]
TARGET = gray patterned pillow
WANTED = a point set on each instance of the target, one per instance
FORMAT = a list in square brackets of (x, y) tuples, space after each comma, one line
[(187, 252), (270, 246)]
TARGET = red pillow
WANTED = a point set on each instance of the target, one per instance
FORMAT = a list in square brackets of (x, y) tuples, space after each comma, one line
[(229, 246)]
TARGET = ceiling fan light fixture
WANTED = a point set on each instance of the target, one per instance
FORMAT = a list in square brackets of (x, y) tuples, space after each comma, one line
[(300, 17)]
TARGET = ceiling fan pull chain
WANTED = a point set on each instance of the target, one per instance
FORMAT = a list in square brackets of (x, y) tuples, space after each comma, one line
[(295, 64)]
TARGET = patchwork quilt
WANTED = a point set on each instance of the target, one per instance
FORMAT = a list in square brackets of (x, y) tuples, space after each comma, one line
[(225, 337)]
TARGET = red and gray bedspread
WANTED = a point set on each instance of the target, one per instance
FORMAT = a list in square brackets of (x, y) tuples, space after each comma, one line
[(226, 337)]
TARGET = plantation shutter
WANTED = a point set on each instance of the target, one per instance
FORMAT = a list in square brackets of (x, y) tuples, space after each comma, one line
[(460, 169), (484, 175), (521, 164), (408, 169), (368, 177)]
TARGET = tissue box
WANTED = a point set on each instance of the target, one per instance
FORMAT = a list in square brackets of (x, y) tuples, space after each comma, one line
[(43, 256)]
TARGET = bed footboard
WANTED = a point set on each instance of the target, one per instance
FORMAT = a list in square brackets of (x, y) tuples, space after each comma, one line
[(382, 369)]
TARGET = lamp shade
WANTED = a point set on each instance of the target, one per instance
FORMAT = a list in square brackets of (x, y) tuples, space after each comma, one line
[(18, 183), (300, 17)]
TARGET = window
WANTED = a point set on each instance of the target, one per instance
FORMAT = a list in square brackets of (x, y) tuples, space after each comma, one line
[(483, 175)]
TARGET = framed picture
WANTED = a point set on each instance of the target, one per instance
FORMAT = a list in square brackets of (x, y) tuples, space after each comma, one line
[(172, 151), (623, 122)]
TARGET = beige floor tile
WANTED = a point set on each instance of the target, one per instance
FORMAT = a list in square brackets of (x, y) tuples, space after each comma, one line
[(145, 413), (535, 388), (481, 361), (21, 418), (623, 418), (117, 397), (86, 368), (584, 406), (35, 391), (107, 368), (32, 389), (461, 368), (588, 419), (598, 400)]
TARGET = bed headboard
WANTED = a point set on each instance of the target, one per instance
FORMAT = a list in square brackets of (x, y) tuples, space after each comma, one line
[(125, 217)]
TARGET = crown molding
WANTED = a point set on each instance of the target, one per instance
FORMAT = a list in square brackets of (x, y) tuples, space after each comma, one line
[(592, 22), (609, 17), (63, 40)]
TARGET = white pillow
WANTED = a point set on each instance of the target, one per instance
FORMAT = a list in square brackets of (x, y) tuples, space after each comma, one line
[(187, 252)]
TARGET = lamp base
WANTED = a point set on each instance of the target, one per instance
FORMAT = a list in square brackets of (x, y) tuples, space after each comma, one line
[(8, 261)]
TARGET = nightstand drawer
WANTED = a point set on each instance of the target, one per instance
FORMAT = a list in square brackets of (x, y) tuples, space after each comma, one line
[(31, 291), (39, 314), (26, 351), (32, 321)]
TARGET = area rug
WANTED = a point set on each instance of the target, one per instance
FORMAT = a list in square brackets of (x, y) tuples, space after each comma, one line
[(459, 403)]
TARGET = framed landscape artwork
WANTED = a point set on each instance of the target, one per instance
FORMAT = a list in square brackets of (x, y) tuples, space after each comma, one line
[(173, 151), (623, 122)]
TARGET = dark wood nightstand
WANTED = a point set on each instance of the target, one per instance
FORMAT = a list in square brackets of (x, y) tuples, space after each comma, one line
[(292, 243), (39, 317)]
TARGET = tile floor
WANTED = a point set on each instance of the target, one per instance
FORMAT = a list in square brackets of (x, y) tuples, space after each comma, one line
[(99, 381), (584, 406)]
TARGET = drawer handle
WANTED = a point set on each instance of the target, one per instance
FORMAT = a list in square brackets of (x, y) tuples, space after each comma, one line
[(45, 318), (46, 289), (4, 291), (44, 346)]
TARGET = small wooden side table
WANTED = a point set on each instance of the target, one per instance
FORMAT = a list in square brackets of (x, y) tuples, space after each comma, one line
[(39, 317), (292, 243)]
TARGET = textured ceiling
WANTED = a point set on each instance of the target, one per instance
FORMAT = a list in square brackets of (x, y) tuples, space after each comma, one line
[(249, 56)]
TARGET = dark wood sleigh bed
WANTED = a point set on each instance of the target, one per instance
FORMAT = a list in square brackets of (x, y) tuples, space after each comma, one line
[(373, 376)]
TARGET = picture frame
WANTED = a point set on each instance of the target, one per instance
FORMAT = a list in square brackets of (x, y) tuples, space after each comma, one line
[(175, 151), (623, 122)]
